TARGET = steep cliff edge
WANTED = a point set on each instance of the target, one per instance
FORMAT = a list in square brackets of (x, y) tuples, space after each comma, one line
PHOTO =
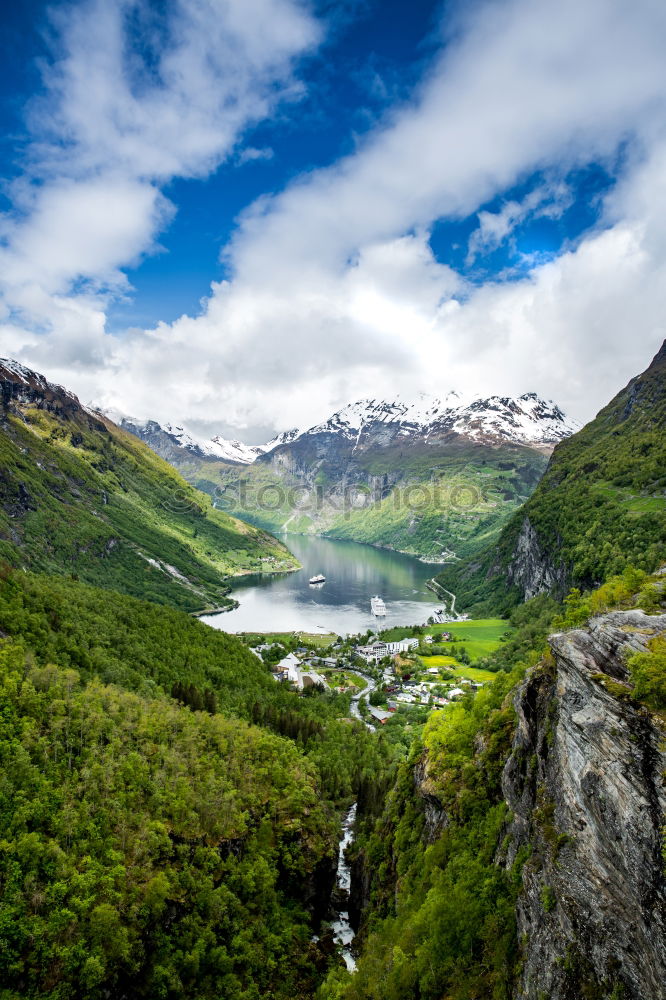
[(585, 783), (519, 852)]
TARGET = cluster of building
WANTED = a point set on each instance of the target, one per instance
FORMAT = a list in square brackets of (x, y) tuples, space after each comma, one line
[(413, 693), (303, 670), (377, 650)]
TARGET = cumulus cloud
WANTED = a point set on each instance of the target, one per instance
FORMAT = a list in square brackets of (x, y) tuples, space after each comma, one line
[(334, 292), (132, 98)]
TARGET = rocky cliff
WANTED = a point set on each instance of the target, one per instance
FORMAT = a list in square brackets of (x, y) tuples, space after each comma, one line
[(21, 387), (585, 783), (531, 569)]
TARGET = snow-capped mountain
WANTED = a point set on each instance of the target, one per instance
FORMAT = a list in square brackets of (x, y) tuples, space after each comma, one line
[(526, 420), (24, 382), (372, 454), (170, 440)]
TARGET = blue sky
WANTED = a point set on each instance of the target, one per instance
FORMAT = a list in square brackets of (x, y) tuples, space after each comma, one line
[(374, 53), (243, 214)]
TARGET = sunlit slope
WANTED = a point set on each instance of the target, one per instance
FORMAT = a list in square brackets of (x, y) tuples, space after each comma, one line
[(78, 495)]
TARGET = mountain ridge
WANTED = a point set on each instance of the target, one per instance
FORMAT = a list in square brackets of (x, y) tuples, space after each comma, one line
[(525, 419), (355, 475), (600, 504), (78, 495)]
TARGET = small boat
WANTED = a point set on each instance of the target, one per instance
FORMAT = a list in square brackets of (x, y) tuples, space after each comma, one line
[(319, 578), (377, 606)]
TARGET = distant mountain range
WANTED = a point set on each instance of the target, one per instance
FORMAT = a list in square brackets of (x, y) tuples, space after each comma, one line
[(525, 420), (357, 475)]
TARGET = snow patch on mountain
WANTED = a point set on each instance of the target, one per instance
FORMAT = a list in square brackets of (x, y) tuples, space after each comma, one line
[(525, 420), (32, 378), (227, 450), (418, 414), (224, 449)]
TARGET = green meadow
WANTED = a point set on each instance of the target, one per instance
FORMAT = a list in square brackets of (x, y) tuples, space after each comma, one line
[(471, 673), (480, 637), (319, 639)]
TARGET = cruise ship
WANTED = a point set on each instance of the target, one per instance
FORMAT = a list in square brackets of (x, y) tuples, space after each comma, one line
[(319, 578), (377, 606)]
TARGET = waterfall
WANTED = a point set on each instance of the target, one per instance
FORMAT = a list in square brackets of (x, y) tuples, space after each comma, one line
[(344, 935)]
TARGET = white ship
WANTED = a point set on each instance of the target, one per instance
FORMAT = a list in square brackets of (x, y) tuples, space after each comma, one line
[(377, 606), (319, 578)]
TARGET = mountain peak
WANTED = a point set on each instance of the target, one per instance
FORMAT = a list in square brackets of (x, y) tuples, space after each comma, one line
[(660, 357), (20, 384), (525, 419)]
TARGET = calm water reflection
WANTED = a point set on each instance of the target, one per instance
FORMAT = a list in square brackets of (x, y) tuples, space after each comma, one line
[(353, 574)]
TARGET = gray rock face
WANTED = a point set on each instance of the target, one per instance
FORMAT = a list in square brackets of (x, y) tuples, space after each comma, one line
[(585, 783), (20, 386), (436, 819), (162, 443), (530, 569)]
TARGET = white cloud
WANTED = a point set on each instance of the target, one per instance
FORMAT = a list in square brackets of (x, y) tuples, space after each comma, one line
[(547, 201), (129, 103), (250, 154), (216, 67), (334, 292), (87, 228)]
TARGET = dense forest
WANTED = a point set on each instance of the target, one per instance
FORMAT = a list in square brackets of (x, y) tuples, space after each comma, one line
[(181, 851)]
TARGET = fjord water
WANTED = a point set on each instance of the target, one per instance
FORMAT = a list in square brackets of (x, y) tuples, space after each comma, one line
[(342, 605)]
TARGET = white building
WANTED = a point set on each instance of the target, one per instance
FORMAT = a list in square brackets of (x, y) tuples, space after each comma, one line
[(377, 650)]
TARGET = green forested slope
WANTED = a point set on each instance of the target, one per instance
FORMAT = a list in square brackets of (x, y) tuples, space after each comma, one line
[(600, 505), (78, 495), (146, 850), (148, 649)]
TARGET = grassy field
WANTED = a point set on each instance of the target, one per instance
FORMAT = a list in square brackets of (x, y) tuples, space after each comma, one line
[(439, 661), (471, 673), (319, 639), (480, 637)]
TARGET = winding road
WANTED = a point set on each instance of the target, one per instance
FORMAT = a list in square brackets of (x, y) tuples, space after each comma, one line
[(365, 694)]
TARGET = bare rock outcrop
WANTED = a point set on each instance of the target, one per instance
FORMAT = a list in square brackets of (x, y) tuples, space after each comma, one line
[(531, 570), (585, 783)]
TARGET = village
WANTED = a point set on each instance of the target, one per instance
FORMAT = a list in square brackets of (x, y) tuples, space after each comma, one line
[(427, 668)]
